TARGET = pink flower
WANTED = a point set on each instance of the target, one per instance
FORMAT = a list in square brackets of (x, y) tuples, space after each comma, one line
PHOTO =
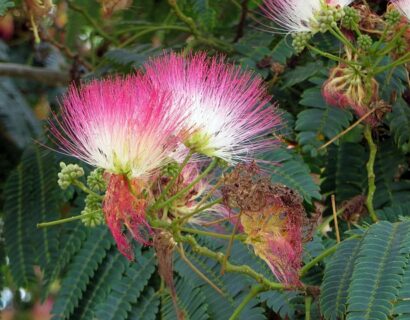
[(120, 125), (229, 111), (403, 6), (293, 16)]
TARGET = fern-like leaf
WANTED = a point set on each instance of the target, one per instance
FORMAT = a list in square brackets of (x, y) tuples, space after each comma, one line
[(147, 306), (126, 292), (400, 124), (290, 170), (191, 301), (337, 278), (107, 275), (344, 175), (320, 122), (81, 271), (378, 271)]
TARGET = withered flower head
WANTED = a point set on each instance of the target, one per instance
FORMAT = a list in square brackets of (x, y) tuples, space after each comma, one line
[(272, 217)]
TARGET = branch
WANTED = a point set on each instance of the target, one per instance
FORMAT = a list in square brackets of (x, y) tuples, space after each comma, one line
[(43, 75), (244, 269), (252, 294), (370, 173), (241, 24)]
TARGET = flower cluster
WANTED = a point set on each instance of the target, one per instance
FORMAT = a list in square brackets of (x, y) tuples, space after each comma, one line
[(138, 130)]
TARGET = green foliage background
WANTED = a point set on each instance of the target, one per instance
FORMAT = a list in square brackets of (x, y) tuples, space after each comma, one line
[(367, 278)]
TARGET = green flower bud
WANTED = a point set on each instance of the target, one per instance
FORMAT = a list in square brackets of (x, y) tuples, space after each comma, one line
[(351, 18), (300, 40), (93, 214), (92, 218), (96, 181), (68, 174), (364, 42), (392, 17)]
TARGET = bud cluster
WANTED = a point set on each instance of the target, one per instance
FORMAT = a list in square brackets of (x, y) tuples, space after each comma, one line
[(364, 42), (328, 17), (96, 181), (68, 174), (300, 41), (351, 18), (392, 17), (92, 213)]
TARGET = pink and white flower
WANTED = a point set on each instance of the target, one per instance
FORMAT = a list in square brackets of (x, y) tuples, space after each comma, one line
[(229, 111), (120, 125), (403, 6), (293, 16)]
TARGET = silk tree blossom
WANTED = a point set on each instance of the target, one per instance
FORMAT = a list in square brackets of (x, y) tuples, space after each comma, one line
[(229, 111), (297, 16), (403, 6), (120, 125)]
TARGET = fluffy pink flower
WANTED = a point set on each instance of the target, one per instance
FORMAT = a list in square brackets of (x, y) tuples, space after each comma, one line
[(229, 111), (403, 6), (292, 16), (120, 125)]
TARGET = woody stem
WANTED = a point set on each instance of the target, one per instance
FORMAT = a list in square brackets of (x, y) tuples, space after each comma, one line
[(370, 173)]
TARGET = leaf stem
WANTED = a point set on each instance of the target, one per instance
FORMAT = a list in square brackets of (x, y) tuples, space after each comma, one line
[(252, 294), (198, 210), (370, 173), (211, 166), (212, 234), (84, 188), (171, 183), (319, 258), (62, 221)]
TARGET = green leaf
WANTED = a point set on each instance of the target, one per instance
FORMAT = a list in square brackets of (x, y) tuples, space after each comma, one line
[(399, 120), (108, 274), (147, 306), (302, 73), (319, 123), (191, 301), (126, 292), (289, 169), (394, 212), (19, 124), (5, 5), (344, 175), (378, 271), (338, 273), (389, 163), (81, 270), (30, 197), (72, 237)]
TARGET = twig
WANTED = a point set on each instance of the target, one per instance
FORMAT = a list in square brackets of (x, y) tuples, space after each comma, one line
[(241, 24), (370, 173), (354, 125), (333, 199), (244, 269), (252, 294), (187, 20), (43, 75), (308, 306), (230, 244)]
